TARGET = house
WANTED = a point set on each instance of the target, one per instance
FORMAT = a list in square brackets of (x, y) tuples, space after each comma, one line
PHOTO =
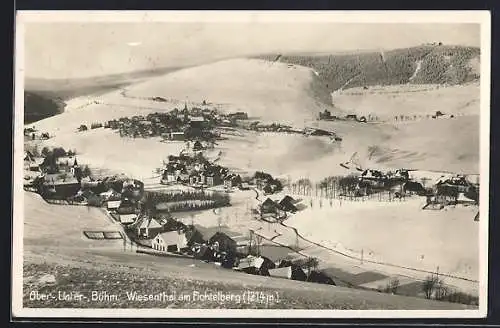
[(57, 188), (222, 242), (31, 162), (244, 186), (197, 146), (177, 136), (127, 206), (168, 177), (292, 272), (127, 218), (111, 195), (65, 160), (238, 116), (90, 197), (113, 204), (255, 265), (232, 180), (193, 236), (28, 156), (351, 117), (402, 174), (170, 241), (458, 182), (269, 206), (194, 179), (325, 115), (148, 227), (372, 174), (288, 204), (463, 199), (213, 179)]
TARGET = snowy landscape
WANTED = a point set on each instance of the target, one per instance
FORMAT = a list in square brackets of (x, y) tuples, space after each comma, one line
[(208, 171)]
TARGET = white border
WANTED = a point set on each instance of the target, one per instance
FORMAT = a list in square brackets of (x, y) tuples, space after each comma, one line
[(478, 17)]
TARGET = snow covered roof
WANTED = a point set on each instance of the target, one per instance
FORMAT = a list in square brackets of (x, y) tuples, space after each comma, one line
[(149, 223), (197, 119), (128, 218)]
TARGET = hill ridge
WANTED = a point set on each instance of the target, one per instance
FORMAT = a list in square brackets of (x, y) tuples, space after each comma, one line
[(440, 64)]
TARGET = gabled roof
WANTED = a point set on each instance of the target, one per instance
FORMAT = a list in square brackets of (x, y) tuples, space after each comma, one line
[(173, 237), (287, 200), (149, 223), (269, 204), (221, 235), (28, 156), (127, 218)]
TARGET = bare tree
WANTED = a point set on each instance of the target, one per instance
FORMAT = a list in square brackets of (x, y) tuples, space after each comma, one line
[(429, 285), (392, 286)]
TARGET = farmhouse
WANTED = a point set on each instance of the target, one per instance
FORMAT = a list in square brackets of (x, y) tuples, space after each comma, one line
[(170, 241)]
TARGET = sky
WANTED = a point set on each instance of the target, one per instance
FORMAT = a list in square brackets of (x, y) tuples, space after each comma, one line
[(79, 50)]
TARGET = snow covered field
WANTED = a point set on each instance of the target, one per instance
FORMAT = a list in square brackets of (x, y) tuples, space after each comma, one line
[(398, 233)]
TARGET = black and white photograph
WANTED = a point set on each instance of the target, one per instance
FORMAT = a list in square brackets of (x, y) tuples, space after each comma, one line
[(251, 164)]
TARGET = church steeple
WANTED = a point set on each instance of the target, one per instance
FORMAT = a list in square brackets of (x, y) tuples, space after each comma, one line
[(75, 164)]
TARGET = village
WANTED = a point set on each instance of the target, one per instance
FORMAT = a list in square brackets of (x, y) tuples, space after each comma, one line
[(150, 220), (203, 125)]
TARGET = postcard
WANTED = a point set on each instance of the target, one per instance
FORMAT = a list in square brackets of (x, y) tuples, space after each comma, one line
[(251, 164)]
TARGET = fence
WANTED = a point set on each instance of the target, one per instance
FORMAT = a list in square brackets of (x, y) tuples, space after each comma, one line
[(64, 202)]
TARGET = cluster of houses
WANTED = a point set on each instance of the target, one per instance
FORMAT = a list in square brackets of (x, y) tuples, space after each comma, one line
[(272, 127), (175, 125), (197, 171), (32, 134), (447, 190), (271, 210), (68, 181), (326, 115), (166, 235)]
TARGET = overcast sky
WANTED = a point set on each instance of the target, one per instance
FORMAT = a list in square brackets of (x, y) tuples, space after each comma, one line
[(73, 50)]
